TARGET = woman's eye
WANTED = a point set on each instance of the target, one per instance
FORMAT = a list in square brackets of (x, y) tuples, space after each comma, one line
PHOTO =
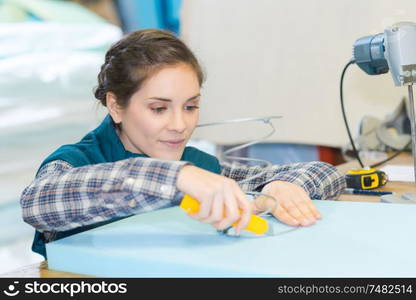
[(192, 107), (159, 109)]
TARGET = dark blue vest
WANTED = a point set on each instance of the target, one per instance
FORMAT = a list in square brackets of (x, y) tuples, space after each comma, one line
[(103, 145)]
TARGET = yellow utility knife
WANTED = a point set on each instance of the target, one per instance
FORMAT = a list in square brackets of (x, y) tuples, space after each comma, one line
[(256, 225)]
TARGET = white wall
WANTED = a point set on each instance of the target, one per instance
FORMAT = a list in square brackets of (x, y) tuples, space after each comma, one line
[(285, 57)]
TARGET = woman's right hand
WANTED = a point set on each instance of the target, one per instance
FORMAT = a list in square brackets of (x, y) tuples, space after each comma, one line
[(222, 202)]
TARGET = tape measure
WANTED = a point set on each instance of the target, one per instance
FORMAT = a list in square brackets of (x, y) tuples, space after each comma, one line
[(365, 179)]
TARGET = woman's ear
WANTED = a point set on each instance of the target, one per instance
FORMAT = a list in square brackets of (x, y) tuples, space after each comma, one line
[(113, 108)]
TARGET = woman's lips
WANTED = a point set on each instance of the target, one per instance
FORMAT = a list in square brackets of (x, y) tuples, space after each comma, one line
[(173, 143)]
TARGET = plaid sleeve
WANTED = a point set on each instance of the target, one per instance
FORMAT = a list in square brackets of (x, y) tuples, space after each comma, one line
[(319, 179), (62, 197)]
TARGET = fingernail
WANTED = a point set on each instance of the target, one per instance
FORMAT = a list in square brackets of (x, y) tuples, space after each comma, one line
[(295, 222), (311, 221), (318, 216), (305, 222)]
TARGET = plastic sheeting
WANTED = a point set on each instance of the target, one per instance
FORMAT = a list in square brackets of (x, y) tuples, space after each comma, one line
[(45, 61)]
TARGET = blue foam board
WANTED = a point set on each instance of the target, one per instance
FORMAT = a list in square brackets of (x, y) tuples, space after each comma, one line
[(352, 240)]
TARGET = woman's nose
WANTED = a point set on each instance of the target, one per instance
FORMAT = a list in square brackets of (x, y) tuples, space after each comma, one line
[(177, 122)]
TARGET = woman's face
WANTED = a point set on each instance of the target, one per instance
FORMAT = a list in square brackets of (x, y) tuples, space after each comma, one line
[(162, 114)]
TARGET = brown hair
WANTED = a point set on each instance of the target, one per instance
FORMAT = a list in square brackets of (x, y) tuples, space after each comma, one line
[(136, 57)]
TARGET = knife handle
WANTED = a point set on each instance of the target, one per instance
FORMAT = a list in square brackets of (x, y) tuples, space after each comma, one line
[(256, 224)]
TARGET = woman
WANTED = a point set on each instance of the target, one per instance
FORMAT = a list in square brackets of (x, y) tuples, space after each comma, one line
[(136, 160)]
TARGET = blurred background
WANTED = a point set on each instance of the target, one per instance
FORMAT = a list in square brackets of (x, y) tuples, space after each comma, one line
[(262, 58)]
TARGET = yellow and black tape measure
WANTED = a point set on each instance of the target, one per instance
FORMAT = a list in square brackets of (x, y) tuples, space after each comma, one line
[(366, 179)]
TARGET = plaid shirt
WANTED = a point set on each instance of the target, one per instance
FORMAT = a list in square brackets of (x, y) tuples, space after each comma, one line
[(62, 197)]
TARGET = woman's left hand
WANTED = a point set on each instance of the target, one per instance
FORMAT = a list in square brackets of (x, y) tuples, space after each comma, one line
[(294, 206)]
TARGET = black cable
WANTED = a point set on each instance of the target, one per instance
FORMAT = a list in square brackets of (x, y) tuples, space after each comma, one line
[(348, 128), (391, 157), (343, 112)]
